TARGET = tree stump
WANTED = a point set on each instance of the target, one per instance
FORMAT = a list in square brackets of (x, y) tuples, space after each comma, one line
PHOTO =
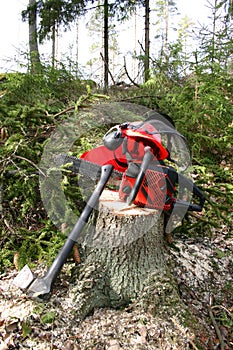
[(122, 248)]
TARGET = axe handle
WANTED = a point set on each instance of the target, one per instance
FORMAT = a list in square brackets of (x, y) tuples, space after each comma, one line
[(61, 258)]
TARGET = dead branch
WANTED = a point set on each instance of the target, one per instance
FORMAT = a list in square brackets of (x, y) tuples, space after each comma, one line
[(128, 76), (223, 308), (141, 46), (106, 65), (150, 58), (30, 162), (217, 330), (64, 111), (198, 217), (133, 97), (140, 96)]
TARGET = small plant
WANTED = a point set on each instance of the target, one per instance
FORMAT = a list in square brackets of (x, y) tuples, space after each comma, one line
[(48, 317)]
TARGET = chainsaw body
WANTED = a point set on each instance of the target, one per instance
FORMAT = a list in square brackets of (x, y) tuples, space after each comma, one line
[(156, 190)]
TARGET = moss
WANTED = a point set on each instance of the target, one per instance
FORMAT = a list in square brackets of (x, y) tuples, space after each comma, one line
[(160, 295)]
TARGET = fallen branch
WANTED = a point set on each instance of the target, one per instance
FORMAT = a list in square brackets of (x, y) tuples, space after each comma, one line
[(8, 226), (30, 162), (133, 97), (198, 217), (223, 308), (217, 330), (64, 111)]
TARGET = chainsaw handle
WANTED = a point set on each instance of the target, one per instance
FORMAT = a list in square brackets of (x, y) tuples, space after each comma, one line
[(190, 185), (148, 156), (197, 192)]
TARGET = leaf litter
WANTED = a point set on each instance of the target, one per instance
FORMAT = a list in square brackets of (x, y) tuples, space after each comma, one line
[(203, 269)]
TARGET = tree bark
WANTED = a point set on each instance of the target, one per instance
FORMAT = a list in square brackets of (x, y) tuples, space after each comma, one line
[(54, 38), (147, 41), (33, 41), (122, 249), (106, 57)]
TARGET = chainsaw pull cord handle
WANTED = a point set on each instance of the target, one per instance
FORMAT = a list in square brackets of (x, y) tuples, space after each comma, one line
[(147, 158), (113, 138)]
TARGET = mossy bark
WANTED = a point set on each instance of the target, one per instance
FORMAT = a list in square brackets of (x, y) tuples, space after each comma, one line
[(122, 249)]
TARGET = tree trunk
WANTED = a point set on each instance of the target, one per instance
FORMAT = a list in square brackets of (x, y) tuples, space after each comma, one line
[(213, 41), (123, 248), (147, 41), (166, 18), (33, 42), (54, 43), (106, 57)]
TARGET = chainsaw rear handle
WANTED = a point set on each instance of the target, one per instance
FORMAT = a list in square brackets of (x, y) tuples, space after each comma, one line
[(43, 286), (195, 190), (148, 156)]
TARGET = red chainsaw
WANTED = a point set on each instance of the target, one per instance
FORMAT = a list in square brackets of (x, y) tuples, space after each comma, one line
[(141, 154)]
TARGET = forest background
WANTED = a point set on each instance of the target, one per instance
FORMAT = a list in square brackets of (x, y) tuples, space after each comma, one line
[(194, 85), (77, 43)]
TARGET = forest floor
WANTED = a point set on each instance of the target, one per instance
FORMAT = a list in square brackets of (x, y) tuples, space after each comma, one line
[(203, 269)]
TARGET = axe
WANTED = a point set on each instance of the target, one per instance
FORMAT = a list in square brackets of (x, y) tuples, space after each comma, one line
[(42, 287)]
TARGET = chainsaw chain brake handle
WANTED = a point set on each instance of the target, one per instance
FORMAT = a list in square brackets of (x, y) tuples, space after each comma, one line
[(148, 156), (41, 287)]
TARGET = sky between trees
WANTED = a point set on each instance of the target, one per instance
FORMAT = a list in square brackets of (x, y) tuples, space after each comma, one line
[(14, 34)]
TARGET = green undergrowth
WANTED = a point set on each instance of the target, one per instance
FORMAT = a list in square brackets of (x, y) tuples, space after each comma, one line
[(216, 183), (31, 108), (25, 246), (27, 121)]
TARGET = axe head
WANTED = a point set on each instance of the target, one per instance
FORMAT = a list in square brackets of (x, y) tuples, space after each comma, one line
[(24, 278), (35, 287), (40, 288)]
